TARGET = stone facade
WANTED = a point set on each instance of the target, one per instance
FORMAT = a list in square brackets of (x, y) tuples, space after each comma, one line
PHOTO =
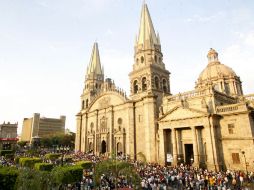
[(8, 135), (41, 127), (211, 126)]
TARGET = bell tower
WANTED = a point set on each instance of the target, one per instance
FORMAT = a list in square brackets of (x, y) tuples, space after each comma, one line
[(149, 75), (94, 78)]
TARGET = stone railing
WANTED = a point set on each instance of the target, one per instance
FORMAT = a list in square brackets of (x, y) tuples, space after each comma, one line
[(187, 95), (249, 97), (231, 108)]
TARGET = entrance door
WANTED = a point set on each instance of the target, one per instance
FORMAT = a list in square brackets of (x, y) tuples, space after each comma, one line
[(188, 153), (103, 147)]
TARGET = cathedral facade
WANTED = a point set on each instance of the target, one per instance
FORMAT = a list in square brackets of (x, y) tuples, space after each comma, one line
[(211, 126)]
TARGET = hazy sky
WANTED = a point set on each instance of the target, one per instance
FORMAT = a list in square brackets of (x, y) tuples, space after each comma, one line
[(45, 46)]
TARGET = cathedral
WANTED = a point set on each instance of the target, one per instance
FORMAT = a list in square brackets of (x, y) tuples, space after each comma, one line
[(211, 126)]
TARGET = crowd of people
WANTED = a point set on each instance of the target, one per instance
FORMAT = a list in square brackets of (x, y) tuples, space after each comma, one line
[(156, 177)]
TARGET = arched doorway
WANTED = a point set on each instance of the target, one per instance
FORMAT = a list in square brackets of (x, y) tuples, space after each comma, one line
[(119, 148), (90, 146), (103, 147)]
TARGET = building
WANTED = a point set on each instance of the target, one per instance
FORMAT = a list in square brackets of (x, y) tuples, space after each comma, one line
[(8, 136), (41, 127), (211, 126)]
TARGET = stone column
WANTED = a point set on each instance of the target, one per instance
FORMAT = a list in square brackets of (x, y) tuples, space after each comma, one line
[(195, 147), (174, 141), (162, 153)]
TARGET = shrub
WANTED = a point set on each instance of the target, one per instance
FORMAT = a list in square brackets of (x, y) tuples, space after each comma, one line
[(52, 156), (85, 164), (9, 156), (8, 176), (68, 159), (4, 152), (67, 174), (30, 179), (43, 166), (16, 160), (29, 162)]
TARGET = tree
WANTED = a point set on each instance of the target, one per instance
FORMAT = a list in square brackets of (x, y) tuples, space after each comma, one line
[(33, 179), (116, 168)]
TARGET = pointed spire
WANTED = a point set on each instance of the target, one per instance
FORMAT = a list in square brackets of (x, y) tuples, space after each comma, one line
[(146, 30), (95, 63)]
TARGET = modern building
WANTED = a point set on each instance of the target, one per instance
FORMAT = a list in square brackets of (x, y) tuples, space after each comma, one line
[(38, 127), (211, 126), (8, 135)]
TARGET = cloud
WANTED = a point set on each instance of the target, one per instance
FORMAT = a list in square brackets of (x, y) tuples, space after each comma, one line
[(204, 19), (239, 56)]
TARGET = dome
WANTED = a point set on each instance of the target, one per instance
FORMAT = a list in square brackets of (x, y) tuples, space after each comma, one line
[(215, 69)]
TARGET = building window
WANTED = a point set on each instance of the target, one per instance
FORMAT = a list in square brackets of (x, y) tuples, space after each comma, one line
[(142, 59), (156, 82), (137, 61), (164, 84), (86, 103), (144, 85), (83, 104), (119, 121), (135, 87), (231, 128), (227, 89), (235, 158)]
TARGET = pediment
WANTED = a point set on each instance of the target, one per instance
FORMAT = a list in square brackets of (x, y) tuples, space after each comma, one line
[(180, 113), (106, 100)]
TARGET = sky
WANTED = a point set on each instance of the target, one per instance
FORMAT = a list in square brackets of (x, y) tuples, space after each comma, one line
[(45, 47)]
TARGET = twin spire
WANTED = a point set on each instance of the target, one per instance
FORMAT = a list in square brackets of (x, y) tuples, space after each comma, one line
[(94, 66), (146, 30), (146, 37)]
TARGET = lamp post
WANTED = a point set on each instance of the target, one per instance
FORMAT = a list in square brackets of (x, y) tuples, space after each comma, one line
[(243, 153), (191, 161), (179, 160)]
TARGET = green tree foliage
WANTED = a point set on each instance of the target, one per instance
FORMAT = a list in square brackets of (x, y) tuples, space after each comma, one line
[(66, 174), (52, 156), (116, 168), (58, 140), (29, 162), (85, 164), (43, 166), (8, 176), (22, 143), (33, 179), (4, 152)]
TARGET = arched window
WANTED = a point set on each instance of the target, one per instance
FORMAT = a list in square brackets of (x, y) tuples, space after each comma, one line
[(137, 61), (96, 85), (144, 85), (83, 104), (91, 126), (142, 59), (156, 82), (86, 103), (164, 84), (159, 60), (119, 121), (155, 59), (135, 87)]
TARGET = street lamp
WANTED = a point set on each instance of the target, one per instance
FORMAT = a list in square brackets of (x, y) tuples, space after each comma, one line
[(245, 161), (179, 160)]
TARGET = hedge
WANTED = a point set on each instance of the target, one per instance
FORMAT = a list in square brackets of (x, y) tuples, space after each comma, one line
[(29, 162), (67, 174), (52, 156), (43, 166), (85, 164), (4, 152), (8, 176)]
